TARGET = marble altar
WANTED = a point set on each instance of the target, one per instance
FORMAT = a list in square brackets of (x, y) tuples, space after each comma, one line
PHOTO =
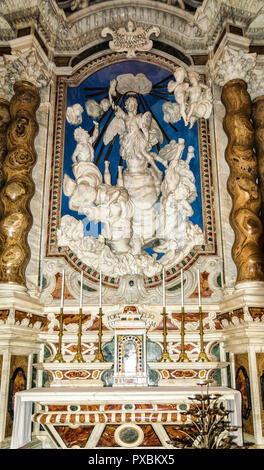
[(81, 407)]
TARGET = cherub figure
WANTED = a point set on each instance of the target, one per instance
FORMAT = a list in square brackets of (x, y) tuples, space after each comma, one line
[(180, 89), (199, 99), (84, 151)]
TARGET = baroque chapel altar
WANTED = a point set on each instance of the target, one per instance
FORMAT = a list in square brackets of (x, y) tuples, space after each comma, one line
[(131, 257)]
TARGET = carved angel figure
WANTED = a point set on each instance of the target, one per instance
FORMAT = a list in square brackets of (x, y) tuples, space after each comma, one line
[(84, 149), (142, 178), (178, 192), (179, 87), (193, 99), (74, 114), (199, 100), (138, 132)]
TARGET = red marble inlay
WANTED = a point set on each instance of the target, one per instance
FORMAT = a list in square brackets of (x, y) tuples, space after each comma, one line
[(205, 289), (74, 437)]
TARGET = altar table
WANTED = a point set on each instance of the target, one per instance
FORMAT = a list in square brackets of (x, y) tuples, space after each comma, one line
[(160, 400)]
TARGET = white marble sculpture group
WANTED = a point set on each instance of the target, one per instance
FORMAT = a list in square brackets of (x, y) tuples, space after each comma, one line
[(193, 99), (144, 209)]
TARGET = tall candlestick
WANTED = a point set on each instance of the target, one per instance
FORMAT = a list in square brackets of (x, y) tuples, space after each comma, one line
[(99, 356), (199, 288), (81, 290), (62, 289), (182, 289), (163, 288), (58, 356), (100, 290), (202, 355), (78, 356)]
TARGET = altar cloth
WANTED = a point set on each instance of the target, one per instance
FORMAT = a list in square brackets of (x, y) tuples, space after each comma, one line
[(24, 400)]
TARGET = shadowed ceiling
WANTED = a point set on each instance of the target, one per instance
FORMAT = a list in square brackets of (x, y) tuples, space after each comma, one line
[(70, 6)]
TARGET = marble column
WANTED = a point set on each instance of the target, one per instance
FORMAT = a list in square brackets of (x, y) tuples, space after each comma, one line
[(258, 122), (4, 120), (242, 183), (18, 189)]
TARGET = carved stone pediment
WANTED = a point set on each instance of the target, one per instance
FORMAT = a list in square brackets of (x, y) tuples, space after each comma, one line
[(131, 39)]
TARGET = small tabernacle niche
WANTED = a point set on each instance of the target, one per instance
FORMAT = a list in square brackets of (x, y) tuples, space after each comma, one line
[(130, 365)]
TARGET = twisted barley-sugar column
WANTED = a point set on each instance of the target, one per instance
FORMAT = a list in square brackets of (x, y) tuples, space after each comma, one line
[(258, 122), (4, 120), (18, 189), (242, 183)]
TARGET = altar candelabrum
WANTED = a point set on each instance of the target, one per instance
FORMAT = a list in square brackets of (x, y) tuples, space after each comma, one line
[(202, 355), (99, 355), (58, 357), (183, 355), (78, 356), (165, 355), (208, 425)]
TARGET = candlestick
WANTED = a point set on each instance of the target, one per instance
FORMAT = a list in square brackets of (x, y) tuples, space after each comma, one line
[(165, 355), (81, 290), (199, 288), (183, 356), (58, 357), (202, 355), (100, 291), (182, 289), (62, 288), (78, 356), (163, 289), (99, 355)]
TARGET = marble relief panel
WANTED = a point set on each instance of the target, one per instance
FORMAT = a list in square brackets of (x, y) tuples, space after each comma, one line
[(91, 105)]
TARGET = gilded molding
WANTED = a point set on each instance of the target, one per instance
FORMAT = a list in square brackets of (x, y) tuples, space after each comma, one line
[(258, 122), (18, 189), (242, 183)]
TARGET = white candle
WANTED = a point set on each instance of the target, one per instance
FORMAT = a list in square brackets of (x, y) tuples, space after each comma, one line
[(81, 290), (41, 280), (62, 288), (199, 287), (163, 288), (100, 291), (182, 289)]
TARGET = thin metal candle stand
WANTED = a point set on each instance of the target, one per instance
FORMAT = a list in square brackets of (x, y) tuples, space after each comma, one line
[(99, 356), (165, 355), (58, 356), (78, 356), (183, 356), (202, 355)]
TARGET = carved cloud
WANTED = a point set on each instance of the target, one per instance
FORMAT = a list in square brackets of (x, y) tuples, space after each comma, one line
[(133, 83)]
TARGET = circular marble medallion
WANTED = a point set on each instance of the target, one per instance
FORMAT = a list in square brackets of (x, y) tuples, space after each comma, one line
[(129, 435)]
